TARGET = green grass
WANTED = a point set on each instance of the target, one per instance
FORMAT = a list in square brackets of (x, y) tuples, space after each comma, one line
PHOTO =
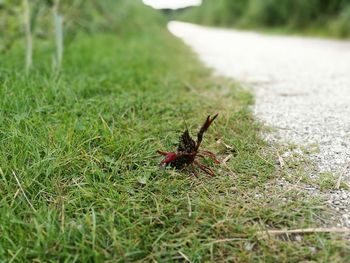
[(82, 145)]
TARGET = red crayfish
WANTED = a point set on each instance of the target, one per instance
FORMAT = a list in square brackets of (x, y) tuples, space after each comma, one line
[(188, 150)]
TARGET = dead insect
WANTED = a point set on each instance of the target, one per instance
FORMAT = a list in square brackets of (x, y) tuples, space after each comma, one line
[(188, 150)]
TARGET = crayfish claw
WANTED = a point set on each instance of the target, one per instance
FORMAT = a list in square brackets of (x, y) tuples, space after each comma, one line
[(169, 157), (161, 152), (204, 128)]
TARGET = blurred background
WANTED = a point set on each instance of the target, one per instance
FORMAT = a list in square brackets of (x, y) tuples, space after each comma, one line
[(47, 18), (318, 17)]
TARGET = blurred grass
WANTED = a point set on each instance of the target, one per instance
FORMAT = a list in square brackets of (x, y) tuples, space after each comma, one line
[(83, 143), (311, 17)]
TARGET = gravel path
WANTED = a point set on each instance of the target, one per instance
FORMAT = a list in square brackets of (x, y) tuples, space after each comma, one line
[(302, 85)]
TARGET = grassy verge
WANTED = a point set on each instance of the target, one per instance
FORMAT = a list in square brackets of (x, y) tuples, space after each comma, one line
[(315, 18), (82, 146)]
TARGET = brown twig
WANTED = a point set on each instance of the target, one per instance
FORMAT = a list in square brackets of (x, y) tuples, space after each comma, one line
[(342, 173), (227, 158), (184, 256), (25, 196), (189, 206), (280, 160), (277, 232), (225, 240)]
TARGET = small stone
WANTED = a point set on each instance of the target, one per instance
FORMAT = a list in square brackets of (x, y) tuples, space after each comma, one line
[(249, 246), (313, 250), (142, 180), (298, 238)]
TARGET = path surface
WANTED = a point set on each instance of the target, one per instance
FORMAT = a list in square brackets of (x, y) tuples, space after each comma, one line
[(302, 85)]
